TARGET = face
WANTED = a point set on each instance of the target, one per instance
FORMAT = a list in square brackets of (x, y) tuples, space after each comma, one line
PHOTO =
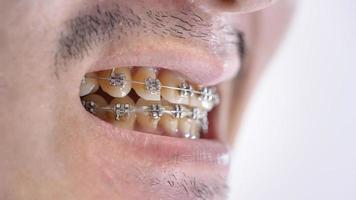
[(111, 99)]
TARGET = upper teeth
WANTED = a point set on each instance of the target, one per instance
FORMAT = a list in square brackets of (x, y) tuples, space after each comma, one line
[(186, 89), (117, 79), (152, 85)]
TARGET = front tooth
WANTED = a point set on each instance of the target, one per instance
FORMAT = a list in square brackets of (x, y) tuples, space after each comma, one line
[(122, 116), (119, 84), (89, 84), (189, 128), (171, 79), (93, 103), (146, 84), (146, 120)]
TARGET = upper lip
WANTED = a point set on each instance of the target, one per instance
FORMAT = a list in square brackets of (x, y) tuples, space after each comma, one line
[(198, 65)]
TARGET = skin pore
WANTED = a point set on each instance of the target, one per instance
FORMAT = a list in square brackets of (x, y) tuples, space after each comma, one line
[(51, 148)]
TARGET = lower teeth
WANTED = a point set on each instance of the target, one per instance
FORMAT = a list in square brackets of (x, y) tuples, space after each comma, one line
[(148, 114)]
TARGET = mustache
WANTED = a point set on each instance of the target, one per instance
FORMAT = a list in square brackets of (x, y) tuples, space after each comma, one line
[(85, 32)]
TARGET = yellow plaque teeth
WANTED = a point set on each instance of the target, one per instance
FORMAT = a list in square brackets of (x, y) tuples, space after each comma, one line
[(121, 115), (146, 84), (88, 85), (171, 79), (116, 82), (152, 100)]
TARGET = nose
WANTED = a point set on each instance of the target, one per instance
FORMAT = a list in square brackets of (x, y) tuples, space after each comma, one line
[(239, 6)]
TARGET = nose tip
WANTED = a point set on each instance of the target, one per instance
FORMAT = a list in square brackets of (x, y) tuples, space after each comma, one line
[(241, 6)]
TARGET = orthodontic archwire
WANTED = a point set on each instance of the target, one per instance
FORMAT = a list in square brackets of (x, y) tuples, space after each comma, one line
[(153, 85), (156, 111)]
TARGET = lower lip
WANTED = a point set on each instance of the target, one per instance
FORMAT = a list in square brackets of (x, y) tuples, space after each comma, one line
[(163, 149)]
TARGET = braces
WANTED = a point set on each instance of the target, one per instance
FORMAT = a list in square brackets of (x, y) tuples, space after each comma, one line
[(154, 86), (156, 111)]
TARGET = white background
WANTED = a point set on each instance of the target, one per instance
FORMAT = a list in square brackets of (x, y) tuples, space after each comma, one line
[(298, 140)]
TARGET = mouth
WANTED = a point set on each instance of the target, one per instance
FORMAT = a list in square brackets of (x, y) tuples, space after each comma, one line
[(151, 100), (158, 105), (159, 108), (159, 100)]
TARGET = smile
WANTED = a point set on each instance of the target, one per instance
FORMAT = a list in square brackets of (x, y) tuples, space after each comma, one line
[(161, 102)]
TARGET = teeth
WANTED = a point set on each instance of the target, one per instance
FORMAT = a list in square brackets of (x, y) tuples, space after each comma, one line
[(206, 99), (189, 128), (121, 115), (92, 103), (88, 85), (169, 122), (148, 121), (182, 112), (171, 79), (151, 89), (203, 97), (169, 125), (119, 83)]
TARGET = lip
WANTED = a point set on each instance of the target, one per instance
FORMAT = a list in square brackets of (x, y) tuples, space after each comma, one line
[(164, 149), (197, 64)]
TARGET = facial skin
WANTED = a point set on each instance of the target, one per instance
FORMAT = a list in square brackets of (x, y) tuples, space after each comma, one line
[(50, 148)]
